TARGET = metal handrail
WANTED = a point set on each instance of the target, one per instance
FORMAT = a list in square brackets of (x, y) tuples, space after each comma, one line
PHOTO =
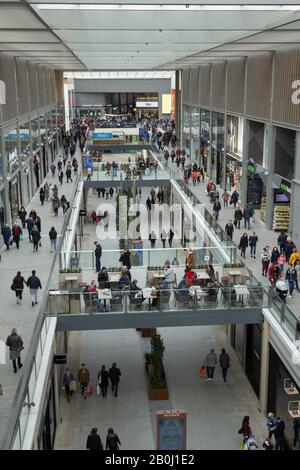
[(17, 404)]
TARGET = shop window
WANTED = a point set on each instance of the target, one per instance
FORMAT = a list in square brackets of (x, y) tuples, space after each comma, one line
[(285, 153), (195, 134), (11, 150), (24, 135), (256, 141), (186, 128)]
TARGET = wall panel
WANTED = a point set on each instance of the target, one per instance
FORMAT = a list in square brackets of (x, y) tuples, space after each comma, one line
[(218, 85), (185, 88), (235, 85), (7, 74), (194, 86), (33, 86), (259, 71), (41, 85), (22, 84), (287, 69), (205, 71)]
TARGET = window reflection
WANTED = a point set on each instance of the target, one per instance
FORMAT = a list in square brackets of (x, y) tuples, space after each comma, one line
[(11, 151)]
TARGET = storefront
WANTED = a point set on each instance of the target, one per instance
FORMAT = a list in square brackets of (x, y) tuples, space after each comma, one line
[(15, 196), (195, 135), (204, 136), (186, 129), (256, 189), (46, 435), (234, 145), (283, 396), (146, 107), (253, 355), (217, 147)]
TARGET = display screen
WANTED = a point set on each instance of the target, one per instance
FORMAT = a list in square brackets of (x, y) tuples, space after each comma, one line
[(281, 197)]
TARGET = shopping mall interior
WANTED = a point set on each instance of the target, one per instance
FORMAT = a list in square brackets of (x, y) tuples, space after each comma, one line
[(150, 176)]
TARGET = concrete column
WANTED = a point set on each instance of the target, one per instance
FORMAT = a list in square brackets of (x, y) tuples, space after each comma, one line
[(269, 189), (244, 181), (264, 368), (209, 155), (224, 153), (178, 87), (160, 110)]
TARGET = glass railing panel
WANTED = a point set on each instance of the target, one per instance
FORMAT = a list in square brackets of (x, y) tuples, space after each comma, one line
[(32, 383), (17, 439), (23, 417)]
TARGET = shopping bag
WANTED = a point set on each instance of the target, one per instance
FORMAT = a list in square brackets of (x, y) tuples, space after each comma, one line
[(202, 371), (73, 386), (21, 238), (89, 389), (98, 390)]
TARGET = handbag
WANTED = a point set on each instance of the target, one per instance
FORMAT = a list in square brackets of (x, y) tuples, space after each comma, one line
[(73, 386), (89, 389), (40, 244), (21, 237), (98, 390), (13, 287), (202, 371), (240, 431)]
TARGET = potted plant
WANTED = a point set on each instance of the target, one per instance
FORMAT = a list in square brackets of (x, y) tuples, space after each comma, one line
[(158, 389)]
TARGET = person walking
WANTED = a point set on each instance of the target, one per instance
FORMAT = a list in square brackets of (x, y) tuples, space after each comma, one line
[(22, 216), (238, 215), (42, 195), (15, 344), (98, 254), (6, 234), (253, 239), (103, 380), (247, 214), (271, 424), (55, 191), (125, 258), (34, 283), (216, 208), (229, 229), (55, 205), (69, 174), (94, 441), (246, 428), (243, 245), (210, 364), (296, 427), (225, 197), (61, 177), (152, 239), (18, 286), (2, 216), (16, 233), (281, 241), (163, 237), (265, 260), (83, 376), (114, 376), (47, 191), (68, 377), (53, 168), (36, 236), (112, 440), (224, 361), (29, 223), (53, 239), (279, 434), (234, 198), (170, 237), (189, 259), (291, 276)]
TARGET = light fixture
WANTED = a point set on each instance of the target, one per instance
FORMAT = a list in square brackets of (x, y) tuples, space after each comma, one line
[(156, 7)]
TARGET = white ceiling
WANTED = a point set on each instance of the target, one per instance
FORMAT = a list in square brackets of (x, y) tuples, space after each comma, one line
[(81, 36)]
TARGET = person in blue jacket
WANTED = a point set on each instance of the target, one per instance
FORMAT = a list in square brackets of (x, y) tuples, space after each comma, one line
[(6, 233)]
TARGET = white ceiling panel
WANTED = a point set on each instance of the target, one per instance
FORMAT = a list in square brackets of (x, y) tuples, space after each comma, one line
[(18, 16), (27, 36), (33, 47)]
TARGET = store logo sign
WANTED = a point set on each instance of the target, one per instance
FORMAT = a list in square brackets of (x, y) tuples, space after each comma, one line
[(285, 188), (251, 168), (296, 93)]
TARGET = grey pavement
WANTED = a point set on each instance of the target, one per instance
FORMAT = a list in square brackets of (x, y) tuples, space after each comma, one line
[(23, 316)]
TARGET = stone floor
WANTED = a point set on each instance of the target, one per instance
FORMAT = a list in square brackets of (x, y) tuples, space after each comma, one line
[(214, 410)]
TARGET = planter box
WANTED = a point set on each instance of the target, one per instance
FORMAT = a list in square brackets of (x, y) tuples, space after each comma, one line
[(148, 332), (158, 394)]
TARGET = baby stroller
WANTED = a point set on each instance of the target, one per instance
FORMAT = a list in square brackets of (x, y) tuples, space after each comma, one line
[(281, 289)]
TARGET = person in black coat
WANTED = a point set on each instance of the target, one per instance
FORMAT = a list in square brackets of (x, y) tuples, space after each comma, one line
[(42, 195), (238, 215), (18, 286), (114, 375), (112, 440), (6, 233), (94, 441), (243, 245), (229, 229), (103, 380), (125, 258)]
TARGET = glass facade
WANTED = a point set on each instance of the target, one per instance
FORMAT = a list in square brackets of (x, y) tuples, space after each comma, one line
[(11, 151), (195, 134), (205, 135), (186, 129), (24, 136), (217, 146), (35, 135)]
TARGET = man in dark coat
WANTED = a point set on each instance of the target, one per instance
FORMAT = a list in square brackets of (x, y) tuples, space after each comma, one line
[(15, 344), (94, 441), (114, 375), (6, 233), (125, 258), (224, 363), (98, 254)]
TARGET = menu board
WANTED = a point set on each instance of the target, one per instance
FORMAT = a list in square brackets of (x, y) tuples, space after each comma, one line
[(171, 429)]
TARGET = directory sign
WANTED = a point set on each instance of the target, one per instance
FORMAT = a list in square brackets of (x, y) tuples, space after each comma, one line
[(171, 429)]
